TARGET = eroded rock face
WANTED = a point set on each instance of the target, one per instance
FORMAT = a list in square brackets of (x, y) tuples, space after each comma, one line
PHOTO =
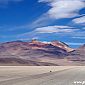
[(78, 54), (62, 45), (37, 50), (32, 48)]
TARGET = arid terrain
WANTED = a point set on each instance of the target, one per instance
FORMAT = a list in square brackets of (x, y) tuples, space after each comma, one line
[(41, 75), (38, 53)]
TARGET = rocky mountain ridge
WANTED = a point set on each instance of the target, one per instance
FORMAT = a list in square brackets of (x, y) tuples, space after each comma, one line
[(36, 51)]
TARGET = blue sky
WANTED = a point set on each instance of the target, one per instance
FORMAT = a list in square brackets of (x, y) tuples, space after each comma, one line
[(45, 20)]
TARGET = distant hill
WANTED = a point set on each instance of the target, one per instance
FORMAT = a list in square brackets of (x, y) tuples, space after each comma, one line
[(78, 54), (39, 53)]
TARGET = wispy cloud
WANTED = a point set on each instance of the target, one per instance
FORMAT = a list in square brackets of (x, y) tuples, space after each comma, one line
[(59, 9), (62, 30), (75, 43), (79, 38), (80, 20), (58, 30), (27, 39), (55, 29), (64, 8)]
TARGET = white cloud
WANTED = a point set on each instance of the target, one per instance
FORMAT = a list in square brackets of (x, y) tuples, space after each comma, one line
[(83, 28), (75, 43), (46, 42), (59, 31), (80, 20), (78, 37), (64, 8), (55, 29), (62, 30), (28, 38), (78, 34), (59, 9)]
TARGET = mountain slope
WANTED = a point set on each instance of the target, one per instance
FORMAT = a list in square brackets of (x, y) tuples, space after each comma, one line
[(40, 53), (78, 54), (30, 49), (19, 61), (19, 51), (62, 45)]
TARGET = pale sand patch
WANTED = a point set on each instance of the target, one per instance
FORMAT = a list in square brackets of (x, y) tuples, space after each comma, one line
[(11, 72)]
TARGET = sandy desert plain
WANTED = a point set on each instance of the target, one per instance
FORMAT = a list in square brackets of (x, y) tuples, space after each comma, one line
[(41, 75)]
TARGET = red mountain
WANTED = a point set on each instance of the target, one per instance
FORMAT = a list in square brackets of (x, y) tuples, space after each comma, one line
[(39, 53)]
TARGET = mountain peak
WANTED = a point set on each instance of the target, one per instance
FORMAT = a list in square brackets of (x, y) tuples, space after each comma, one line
[(62, 45), (34, 41), (38, 51), (82, 47)]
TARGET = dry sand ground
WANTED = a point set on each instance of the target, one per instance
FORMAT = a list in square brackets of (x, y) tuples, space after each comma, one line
[(40, 75), (8, 72)]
